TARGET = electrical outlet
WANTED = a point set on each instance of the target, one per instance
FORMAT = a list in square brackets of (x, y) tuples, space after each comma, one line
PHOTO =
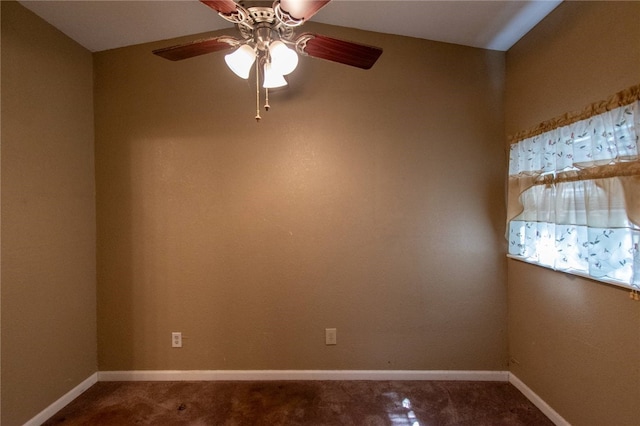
[(176, 339), (330, 336)]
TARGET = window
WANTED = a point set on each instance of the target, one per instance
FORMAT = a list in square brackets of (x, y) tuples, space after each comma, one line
[(574, 193)]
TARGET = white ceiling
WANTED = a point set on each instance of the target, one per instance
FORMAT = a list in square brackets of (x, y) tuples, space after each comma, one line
[(103, 25)]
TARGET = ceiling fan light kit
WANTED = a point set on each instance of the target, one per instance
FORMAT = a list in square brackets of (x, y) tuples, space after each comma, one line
[(269, 41)]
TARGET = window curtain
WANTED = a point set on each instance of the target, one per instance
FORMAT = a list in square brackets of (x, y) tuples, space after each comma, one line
[(574, 192)]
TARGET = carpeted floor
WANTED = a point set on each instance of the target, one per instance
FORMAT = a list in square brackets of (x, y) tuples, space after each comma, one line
[(410, 403)]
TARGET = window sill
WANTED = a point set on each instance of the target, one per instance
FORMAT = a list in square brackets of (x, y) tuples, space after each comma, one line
[(577, 273)]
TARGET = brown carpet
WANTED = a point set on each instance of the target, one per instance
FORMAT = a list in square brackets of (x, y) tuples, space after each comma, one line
[(410, 403)]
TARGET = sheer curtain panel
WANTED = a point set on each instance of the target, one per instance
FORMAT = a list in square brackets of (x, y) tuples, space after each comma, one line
[(574, 192)]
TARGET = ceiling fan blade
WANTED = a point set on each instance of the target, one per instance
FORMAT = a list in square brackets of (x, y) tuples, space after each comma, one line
[(226, 7), (302, 10), (332, 49), (196, 48)]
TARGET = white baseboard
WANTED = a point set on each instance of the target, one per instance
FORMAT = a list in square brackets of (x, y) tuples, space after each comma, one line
[(218, 375), (45, 414), (209, 375), (538, 402)]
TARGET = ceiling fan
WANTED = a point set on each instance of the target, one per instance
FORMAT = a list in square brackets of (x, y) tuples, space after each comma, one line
[(268, 40)]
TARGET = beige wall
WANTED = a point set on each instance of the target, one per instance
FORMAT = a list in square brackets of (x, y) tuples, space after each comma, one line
[(370, 201), (575, 342), (48, 216)]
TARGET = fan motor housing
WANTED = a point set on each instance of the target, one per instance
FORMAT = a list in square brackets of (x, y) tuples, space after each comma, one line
[(260, 18)]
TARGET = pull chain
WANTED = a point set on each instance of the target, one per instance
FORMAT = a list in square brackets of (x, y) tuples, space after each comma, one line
[(266, 99), (258, 92)]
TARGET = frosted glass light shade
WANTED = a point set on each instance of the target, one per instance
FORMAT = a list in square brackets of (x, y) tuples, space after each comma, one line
[(283, 59), (272, 78), (241, 61)]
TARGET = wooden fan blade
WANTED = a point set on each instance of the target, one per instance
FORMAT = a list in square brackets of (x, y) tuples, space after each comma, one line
[(196, 48), (344, 52), (225, 7), (302, 10)]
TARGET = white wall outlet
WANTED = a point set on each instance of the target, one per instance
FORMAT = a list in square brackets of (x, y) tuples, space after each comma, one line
[(330, 336), (176, 339)]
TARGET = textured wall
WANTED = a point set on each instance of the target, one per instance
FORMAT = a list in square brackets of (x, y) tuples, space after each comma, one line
[(574, 341), (48, 215), (370, 201)]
